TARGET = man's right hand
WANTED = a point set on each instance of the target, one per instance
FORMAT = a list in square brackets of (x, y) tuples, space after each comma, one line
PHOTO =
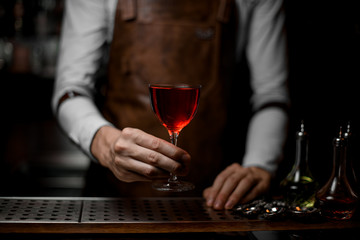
[(133, 155)]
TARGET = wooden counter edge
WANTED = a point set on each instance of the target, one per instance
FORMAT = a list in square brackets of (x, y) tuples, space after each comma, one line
[(172, 227)]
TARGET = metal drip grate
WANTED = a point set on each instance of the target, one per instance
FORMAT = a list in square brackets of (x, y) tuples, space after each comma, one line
[(112, 210), (152, 210), (39, 210)]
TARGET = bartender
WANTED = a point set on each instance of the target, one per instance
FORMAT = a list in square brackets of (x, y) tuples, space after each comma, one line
[(175, 41)]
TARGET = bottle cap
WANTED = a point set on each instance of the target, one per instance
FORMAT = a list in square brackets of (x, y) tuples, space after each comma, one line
[(347, 134), (302, 134), (339, 141)]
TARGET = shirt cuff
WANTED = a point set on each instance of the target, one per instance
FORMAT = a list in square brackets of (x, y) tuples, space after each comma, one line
[(80, 119), (253, 160)]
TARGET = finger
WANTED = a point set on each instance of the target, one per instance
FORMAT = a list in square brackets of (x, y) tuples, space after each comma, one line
[(131, 177), (214, 190), (127, 176), (207, 196), (144, 170), (206, 192), (258, 189), (227, 189), (157, 144), (127, 147), (159, 160), (241, 191), (169, 156)]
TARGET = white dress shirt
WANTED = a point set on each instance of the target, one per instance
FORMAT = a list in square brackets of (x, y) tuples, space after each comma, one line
[(88, 25)]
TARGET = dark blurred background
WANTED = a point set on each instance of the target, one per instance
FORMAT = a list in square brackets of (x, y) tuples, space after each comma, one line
[(37, 159), (324, 51)]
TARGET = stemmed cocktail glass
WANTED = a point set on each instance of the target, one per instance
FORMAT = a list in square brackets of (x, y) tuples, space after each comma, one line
[(175, 105)]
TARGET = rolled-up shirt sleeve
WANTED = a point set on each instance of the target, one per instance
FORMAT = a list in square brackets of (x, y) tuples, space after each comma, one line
[(267, 56), (85, 31)]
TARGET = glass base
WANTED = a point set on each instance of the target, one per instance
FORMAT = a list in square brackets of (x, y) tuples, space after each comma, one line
[(173, 186)]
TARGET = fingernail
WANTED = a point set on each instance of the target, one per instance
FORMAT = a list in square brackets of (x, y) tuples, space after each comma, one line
[(210, 202), (229, 204), (218, 205), (185, 158)]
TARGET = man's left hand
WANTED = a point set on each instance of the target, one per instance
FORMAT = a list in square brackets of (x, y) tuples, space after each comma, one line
[(237, 184)]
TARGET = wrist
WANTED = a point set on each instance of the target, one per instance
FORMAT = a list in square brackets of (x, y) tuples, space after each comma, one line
[(102, 143)]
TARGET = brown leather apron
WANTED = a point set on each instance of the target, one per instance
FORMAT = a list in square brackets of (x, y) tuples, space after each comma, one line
[(170, 41)]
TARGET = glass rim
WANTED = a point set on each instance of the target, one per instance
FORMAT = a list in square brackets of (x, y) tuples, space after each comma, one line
[(175, 85)]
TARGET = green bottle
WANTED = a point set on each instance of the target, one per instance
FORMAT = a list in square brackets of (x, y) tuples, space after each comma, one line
[(299, 186)]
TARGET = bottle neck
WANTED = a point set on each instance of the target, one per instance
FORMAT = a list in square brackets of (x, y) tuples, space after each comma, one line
[(301, 153), (301, 167), (339, 161), (300, 171)]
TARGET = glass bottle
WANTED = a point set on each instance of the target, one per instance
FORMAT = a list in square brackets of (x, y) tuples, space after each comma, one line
[(336, 199), (299, 186), (351, 166)]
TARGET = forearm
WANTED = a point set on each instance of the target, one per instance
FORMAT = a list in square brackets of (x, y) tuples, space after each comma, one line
[(269, 73), (103, 142), (84, 34)]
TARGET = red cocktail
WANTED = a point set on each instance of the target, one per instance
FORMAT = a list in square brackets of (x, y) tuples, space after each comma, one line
[(174, 106)]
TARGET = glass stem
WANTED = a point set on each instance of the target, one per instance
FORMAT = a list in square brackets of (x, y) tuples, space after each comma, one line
[(173, 178), (173, 140), (173, 137)]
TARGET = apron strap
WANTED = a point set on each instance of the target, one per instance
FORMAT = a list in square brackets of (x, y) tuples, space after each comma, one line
[(224, 10), (128, 9)]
